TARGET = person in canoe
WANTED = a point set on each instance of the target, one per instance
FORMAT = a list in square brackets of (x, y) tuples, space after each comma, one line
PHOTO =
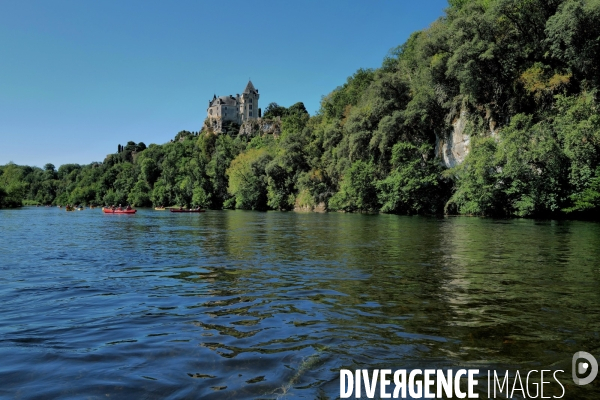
[(128, 207)]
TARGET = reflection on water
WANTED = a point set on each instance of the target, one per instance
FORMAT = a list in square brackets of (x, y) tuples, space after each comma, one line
[(235, 304)]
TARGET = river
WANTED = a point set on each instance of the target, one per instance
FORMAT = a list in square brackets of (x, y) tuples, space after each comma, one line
[(247, 305)]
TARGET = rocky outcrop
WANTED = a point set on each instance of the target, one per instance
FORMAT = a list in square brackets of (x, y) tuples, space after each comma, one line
[(320, 207), (261, 126), (453, 149)]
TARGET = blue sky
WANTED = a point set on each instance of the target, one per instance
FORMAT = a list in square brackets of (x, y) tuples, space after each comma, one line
[(77, 78)]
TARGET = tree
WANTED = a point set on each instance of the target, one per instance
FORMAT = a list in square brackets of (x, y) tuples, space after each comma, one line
[(477, 191), (587, 200), (247, 179), (573, 38), (284, 171), (162, 194), (414, 185), (225, 151), (357, 191), (297, 108), (150, 170), (140, 194), (274, 110), (182, 135)]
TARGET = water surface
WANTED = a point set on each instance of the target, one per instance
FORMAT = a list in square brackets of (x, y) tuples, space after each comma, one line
[(246, 305)]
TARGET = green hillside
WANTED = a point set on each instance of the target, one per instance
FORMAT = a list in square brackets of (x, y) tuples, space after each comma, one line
[(516, 80)]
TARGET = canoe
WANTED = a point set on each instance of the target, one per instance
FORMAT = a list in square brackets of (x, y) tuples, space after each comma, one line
[(175, 210), (111, 211), (70, 209), (159, 208)]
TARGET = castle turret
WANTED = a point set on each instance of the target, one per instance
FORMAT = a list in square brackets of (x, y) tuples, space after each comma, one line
[(249, 103)]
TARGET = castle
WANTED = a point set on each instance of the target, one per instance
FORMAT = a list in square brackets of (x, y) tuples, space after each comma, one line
[(238, 109)]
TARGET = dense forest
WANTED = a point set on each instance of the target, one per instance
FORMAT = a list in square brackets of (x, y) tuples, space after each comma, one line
[(524, 73)]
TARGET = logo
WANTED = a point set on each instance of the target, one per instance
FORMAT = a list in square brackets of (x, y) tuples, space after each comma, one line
[(453, 383), (580, 368)]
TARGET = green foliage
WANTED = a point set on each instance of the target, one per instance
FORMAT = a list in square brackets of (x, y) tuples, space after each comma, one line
[(114, 197), (181, 136), (414, 186), (577, 124), (140, 194), (13, 195), (587, 199), (573, 38), (247, 183), (535, 168), (29, 202), (150, 171), (284, 171), (477, 192), (82, 195), (358, 190), (162, 194), (200, 197), (12, 187), (274, 110), (334, 105), (225, 151)]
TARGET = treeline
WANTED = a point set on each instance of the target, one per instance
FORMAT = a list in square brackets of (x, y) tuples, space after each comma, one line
[(524, 74)]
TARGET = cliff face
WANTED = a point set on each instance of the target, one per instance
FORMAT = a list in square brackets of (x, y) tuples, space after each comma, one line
[(261, 126), (453, 149)]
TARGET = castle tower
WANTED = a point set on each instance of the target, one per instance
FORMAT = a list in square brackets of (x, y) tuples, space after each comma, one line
[(249, 103)]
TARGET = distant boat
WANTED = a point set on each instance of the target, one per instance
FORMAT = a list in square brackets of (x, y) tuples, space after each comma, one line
[(70, 208), (176, 210), (117, 211), (159, 208)]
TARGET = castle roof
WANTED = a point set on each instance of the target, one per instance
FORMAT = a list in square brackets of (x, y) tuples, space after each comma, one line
[(226, 100), (250, 88)]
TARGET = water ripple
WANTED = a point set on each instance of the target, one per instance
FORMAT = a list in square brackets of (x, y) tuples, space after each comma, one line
[(247, 305)]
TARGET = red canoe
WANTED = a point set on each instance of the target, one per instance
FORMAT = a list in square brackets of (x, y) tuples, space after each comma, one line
[(117, 211), (187, 211)]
